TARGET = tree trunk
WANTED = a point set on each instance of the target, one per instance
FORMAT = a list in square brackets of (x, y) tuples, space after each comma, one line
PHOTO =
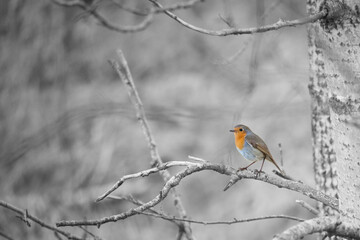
[(334, 49)]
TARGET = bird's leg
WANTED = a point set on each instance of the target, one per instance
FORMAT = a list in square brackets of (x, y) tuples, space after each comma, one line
[(244, 168), (259, 171)]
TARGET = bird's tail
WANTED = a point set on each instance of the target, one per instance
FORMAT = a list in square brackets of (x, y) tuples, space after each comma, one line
[(273, 161)]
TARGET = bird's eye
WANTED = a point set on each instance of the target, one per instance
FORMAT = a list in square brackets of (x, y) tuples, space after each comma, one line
[(240, 129)]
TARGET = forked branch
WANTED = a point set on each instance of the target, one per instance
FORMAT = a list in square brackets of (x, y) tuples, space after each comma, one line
[(92, 10), (238, 31), (158, 214), (193, 168), (102, 20), (334, 225), (25, 216), (123, 71)]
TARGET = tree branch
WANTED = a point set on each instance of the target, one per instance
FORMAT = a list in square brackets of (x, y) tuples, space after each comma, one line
[(331, 224), (196, 167), (171, 183), (38, 221), (141, 174), (5, 236), (103, 21), (308, 207), (148, 16), (174, 7), (123, 71), (157, 214), (234, 221), (90, 233), (238, 31)]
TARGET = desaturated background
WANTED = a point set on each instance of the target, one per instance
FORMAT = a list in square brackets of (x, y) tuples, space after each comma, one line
[(68, 130)]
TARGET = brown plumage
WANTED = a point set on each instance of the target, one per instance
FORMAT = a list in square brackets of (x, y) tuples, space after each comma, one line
[(252, 147)]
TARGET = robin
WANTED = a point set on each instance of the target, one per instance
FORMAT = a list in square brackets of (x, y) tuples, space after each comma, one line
[(252, 147)]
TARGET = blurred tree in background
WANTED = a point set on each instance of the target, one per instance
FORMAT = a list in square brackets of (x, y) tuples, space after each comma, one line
[(68, 130)]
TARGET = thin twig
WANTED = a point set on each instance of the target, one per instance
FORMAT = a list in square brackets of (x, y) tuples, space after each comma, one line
[(124, 74), (164, 216), (281, 155), (140, 174), (197, 159), (308, 207), (147, 212), (57, 235), (178, 6), (123, 71), (228, 21), (234, 221), (174, 7), (238, 31), (148, 16), (170, 184), (130, 10), (24, 218), (244, 46), (90, 233), (103, 21), (5, 236), (38, 221)]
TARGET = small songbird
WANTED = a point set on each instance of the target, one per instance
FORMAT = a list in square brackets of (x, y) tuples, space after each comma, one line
[(252, 147)]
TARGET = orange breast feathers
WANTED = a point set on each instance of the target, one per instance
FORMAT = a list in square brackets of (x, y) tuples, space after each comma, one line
[(239, 139)]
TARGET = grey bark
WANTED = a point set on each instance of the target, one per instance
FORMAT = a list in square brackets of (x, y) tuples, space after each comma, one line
[(334, 47)]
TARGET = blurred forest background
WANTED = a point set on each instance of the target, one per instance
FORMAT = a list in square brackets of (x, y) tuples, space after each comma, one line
[(68, 130)]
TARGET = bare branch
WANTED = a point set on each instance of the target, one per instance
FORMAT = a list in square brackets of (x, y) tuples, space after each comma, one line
[(171, 183), (174, 7), (103, 21), (281, 155), (141, 174), (178, 6), (148, 16), (197, 159), (5, 236), (237, 175), (333, 225), (196, 167), (238, 31), (150, 212), (308, 207), (37, 220), (234, 221), (239, 52), (123, 29), (228, 21), (58, 237), (130, 10), (157, 214), (124, 73), (69, 3), (90, 233)]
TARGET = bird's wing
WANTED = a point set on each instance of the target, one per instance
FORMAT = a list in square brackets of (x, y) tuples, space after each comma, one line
[(256, 142)]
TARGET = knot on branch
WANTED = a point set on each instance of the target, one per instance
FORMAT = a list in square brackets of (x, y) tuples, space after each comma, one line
[(335, 9), (339, 15)]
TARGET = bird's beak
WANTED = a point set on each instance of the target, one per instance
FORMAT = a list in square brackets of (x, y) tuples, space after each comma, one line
[(231, 130)]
